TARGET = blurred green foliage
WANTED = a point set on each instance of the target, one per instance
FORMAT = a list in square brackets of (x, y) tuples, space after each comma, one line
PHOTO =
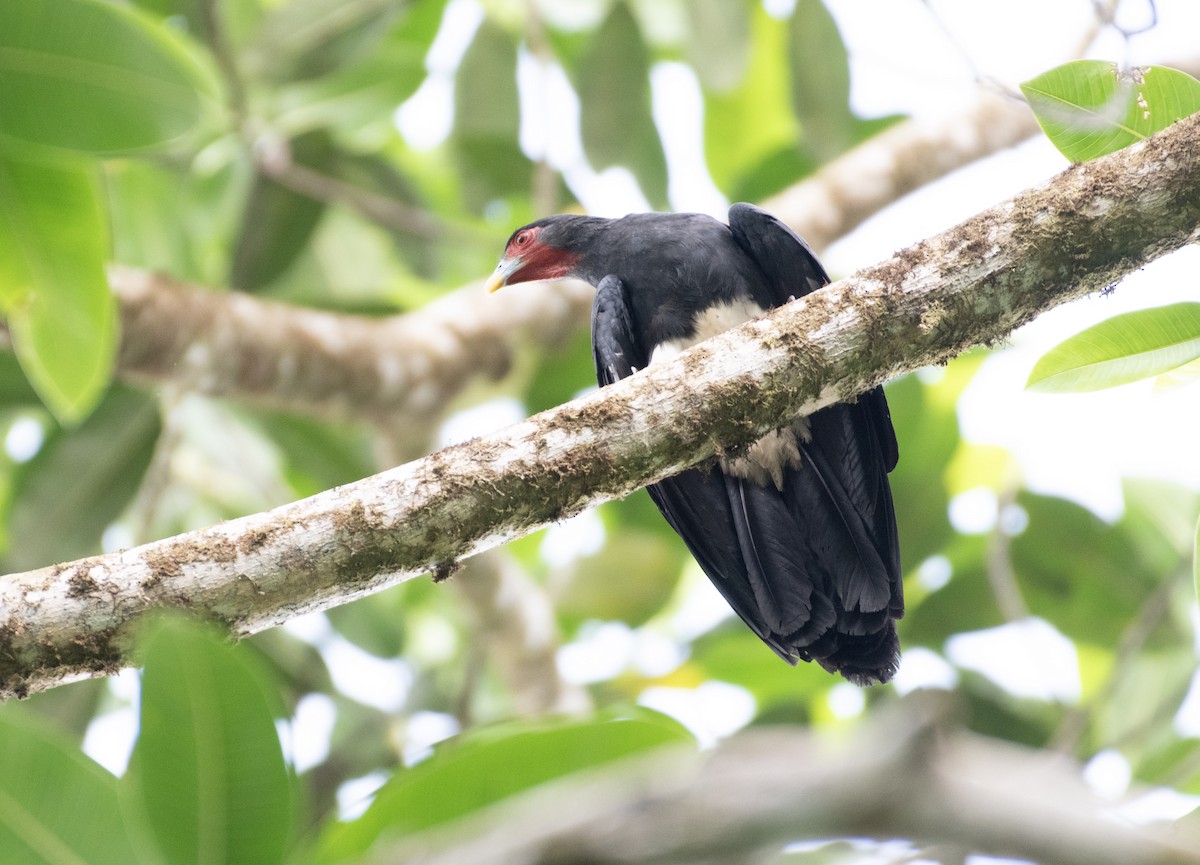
[(258, 160)]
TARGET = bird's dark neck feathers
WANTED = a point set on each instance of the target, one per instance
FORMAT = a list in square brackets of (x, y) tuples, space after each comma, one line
[(673, 265)]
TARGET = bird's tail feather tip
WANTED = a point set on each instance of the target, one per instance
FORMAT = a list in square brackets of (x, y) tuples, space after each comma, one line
[(869, 659)]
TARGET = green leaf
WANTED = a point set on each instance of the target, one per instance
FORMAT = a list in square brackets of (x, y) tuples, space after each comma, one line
[(382, 177), (376, 623), (1122, 349), (1146, 695), (483, 767), (86, 75), (615, 114), (1088, 108), (363, 93), (278, 221), (630, 579), (318, 455), (754, 121), (1086, 577), (174, 220), (820, 81), (208, 770), (56, 805), (719, 44), (732, 653), (487, 119), (80, 481), (53, 247), (926, 413)]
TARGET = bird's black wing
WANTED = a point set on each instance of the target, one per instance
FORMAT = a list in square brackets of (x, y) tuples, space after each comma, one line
[(710, 512), (790, 266), (616, 349), (838, 499), (792, 270)]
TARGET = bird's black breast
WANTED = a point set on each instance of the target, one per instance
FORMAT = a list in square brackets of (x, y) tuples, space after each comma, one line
[(673, 267)]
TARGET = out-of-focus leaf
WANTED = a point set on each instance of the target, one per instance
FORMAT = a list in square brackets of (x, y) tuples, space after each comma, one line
[(375, 79), (53, 246), (629, 579), (1088, 108), (80, 481), (1122, 349), (787, 165), (820, 80), (92, 76), (1164, 755), (417, 240), (478, 769), (980, 465), (1084, 576), (319, 456), (56, 805), (487, 119), (296, 665), (1158, 516), (1148, 693), (15, 389), (992, 711), (69, 709), (561, 373), (719, 43), (927, 429), (732, 653), (278, 222), (174, 221), (307, 39), (965, 603), (208, 770), (236, 19), (614, 94), (375, 624), (754, 121), (1188, 373), (790, 163)]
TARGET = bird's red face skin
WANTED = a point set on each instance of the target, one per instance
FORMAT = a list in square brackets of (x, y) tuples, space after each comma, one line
[(527, 258)]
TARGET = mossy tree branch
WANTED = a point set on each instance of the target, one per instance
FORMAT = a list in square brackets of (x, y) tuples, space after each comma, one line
[(1080, 232)]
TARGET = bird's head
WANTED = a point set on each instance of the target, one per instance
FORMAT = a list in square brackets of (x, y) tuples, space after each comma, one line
[(545, 249)]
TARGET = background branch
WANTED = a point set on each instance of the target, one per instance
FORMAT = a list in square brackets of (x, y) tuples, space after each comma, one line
[(336, 366), (330, 365), (905, 775), (972, 284)]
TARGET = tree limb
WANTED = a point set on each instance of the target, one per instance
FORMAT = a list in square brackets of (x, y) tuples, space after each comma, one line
[(388, 370), (330, 365), (974, 283), (844, 193)]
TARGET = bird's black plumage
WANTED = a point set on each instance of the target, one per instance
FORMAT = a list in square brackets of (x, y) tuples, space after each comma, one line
[(799, 535)]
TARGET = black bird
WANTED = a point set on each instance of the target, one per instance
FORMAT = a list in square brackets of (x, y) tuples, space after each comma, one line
[(799, 533)]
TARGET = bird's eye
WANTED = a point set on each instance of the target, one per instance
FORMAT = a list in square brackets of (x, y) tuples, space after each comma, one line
[(523, 238)]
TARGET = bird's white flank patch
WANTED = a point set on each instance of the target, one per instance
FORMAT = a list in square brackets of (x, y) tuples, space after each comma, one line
[(769, 457), (714, 320)]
